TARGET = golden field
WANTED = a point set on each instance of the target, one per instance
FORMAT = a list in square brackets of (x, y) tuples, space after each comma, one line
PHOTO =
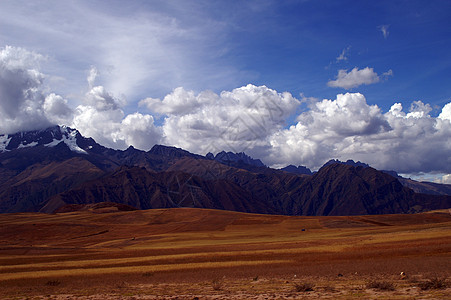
[(189, 253)]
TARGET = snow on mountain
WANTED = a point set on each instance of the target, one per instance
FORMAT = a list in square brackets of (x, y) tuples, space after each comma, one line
[(49, 137), (69, 137), (32, 144), (4, 141)]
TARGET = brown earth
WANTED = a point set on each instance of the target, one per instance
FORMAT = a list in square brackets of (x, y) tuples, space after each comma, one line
[(188, 253)]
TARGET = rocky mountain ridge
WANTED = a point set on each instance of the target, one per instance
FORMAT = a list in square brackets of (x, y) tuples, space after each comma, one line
[(49, 169)]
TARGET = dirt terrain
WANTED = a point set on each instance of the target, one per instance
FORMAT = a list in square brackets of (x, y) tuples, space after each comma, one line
[(209, 254)]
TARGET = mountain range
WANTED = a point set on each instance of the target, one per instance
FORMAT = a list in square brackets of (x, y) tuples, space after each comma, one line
[(57, 169)]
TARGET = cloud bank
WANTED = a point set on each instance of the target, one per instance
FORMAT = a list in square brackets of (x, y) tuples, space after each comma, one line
[(101, 116), (24, 105), (235, 120), (249, 118), (349, 128)]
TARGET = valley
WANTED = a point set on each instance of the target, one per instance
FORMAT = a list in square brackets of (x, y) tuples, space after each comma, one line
[(183, 253)]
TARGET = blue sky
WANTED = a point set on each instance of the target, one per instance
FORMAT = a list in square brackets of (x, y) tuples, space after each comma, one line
[(139, 52), (286, 45)]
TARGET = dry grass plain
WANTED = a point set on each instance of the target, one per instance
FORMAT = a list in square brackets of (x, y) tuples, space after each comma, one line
[(206, 254)]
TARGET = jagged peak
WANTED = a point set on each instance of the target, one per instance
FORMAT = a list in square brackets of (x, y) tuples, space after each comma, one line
[(349, 162), (227, 157), (297, 170), (171, 151)]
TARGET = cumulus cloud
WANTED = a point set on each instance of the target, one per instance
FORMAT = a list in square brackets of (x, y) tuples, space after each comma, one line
[(139, 130), (179, 102), (102, 118), (113, 129), (349, 128), (354, 78), (250, 118), (56, 109), (328, 126), (419, 110), (446, 112), (100, 125), (24, 105), (102, 100), (235, 120)]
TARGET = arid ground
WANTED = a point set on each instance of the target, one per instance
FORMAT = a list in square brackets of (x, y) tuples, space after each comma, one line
[(206, 254)]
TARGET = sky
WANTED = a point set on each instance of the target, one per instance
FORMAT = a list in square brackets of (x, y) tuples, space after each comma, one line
[(289, 82)]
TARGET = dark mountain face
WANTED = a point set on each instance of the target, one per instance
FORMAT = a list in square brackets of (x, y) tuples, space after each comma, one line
[(340, 189), (29, 188), (49, 169), (142, 189), (297, 170), (349, 162), (235, 159), (171, 152)]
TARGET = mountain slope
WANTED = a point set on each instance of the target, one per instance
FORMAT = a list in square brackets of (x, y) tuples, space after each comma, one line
[(29, 188), (426, 187), (44, 170), (336, 189), (142, 189), (340, 189)]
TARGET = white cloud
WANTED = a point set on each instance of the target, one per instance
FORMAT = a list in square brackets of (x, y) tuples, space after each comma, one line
[(235, 120), (445, 179), (140, 50), (102, 118), (20, 79), (343, 54), (57, 110), (349, 128), (250, 118), (356, 78), (139, 130), (446, 112), (419, 110), (329, 126), (92, 76), (25, 106), (179, 102), (99, 98), (384, 30), (22, 100), (103, 126), (388, 73)]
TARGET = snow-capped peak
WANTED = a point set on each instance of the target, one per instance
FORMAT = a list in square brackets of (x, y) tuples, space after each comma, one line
[(69, 137), (49, 137)]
